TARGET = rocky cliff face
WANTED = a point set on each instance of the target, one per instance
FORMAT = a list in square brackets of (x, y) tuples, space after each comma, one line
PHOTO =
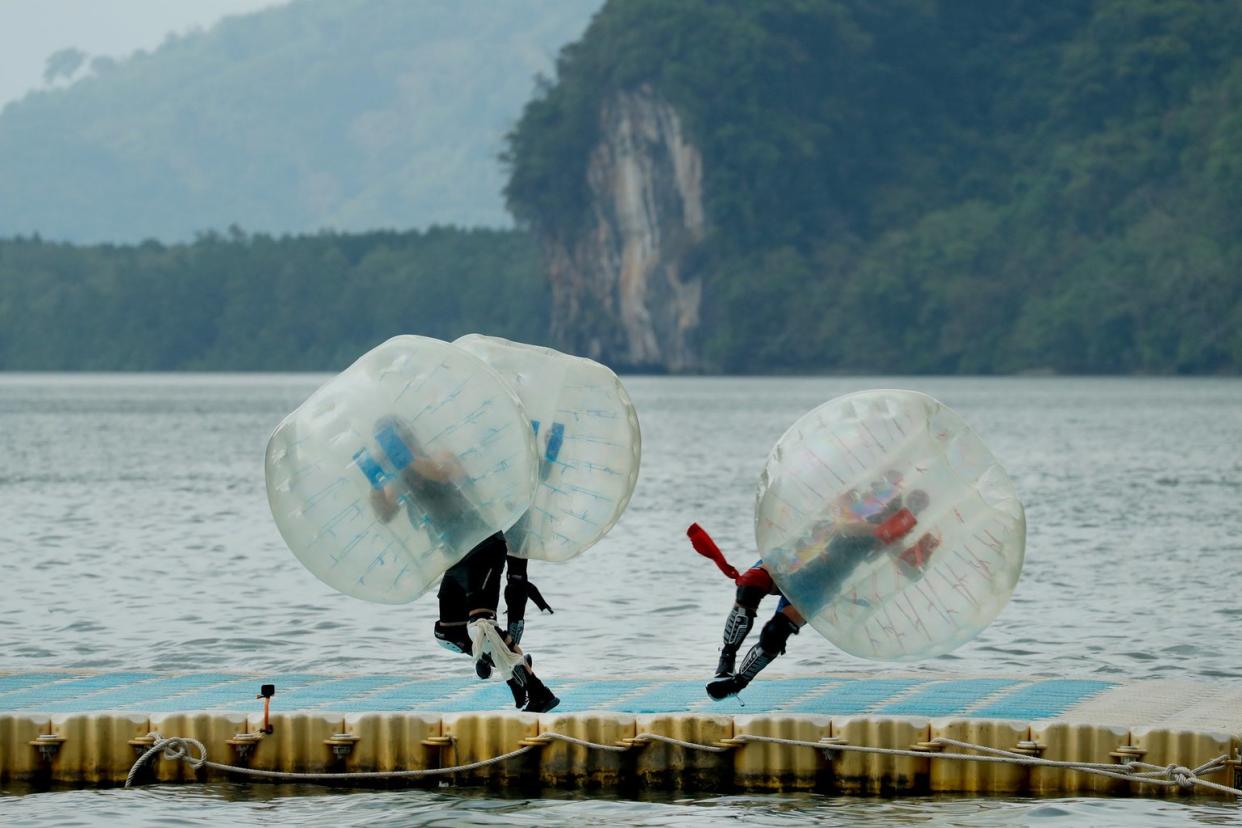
[(621, 290)]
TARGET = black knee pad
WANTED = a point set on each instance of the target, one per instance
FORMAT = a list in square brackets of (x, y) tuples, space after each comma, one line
[(776, 632), (737, 627), (749, 597)]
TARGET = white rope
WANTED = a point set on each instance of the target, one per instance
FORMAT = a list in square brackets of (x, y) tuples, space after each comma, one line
[(1172, 774), (669, 740), (1182, 776), (944, 740), (561, 737), (1134, 771), (174, 748), (178, 752), (1185, 777)]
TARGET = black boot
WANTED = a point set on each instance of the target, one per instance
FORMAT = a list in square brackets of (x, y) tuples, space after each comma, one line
[(755, 660), (483, 667), (519, 693), (771, 644), (518, 689), (539, 698), (737, 626)]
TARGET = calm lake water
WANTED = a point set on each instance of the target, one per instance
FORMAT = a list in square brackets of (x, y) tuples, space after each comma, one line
[(135, 533)]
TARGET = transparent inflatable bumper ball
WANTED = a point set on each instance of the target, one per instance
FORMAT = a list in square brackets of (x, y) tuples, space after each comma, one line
[(396, 468), (889, 525), (588, 443)]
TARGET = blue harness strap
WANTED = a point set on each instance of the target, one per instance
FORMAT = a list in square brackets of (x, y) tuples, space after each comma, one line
[(556, 435), (370, 469), (399, 454)]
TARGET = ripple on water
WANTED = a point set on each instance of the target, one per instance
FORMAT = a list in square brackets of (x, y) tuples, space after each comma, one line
[(1121, 568), (229, 804)]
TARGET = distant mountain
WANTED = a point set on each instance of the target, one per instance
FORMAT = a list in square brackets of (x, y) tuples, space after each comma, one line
[(344, 114), (856, 186)]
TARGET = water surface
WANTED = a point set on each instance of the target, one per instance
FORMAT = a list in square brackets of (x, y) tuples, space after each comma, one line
[(135, 533)]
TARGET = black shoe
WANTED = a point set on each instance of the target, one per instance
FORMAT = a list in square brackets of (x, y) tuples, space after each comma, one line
[(725, 667), (519, 694), (483, 667), (722, 688), (541, 699), (519, 689)]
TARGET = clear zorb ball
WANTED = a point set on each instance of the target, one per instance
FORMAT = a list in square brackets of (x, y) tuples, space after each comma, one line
[(588, 443), (889, 525), (396, 468)]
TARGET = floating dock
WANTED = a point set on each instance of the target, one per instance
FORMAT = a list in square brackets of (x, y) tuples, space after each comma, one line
[(850, 733)]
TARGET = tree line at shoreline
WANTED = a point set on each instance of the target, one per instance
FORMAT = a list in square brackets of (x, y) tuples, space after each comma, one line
[(239, 302)]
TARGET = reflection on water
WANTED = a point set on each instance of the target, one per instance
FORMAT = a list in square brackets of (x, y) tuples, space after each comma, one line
[(171, 805), (282, 806), (135, 533)]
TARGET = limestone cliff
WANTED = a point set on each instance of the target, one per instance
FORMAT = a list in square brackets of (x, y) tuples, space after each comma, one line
[(621, 289)]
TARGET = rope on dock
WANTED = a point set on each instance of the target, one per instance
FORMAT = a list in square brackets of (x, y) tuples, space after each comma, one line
[(1133, 771), (175, 748), (643, 738)]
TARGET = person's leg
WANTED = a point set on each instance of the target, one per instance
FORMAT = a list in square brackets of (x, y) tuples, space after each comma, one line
[(486, 571), (517, 590), (483, 597), (752, 586), (483, 574), (450, 628), (516, 594), (539, 698), (784, 623)]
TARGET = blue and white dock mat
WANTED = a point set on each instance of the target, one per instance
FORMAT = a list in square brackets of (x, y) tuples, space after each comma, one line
[(1218, 706)]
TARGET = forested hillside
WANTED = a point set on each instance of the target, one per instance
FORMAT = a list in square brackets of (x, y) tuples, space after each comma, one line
[(943, 186), (339, 114), (239, 302), (903, 186)]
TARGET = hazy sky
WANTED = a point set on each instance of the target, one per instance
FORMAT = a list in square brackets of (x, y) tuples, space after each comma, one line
[(30, 30)]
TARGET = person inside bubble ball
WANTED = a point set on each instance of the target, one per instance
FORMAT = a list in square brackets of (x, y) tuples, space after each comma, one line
[(864, 527), (403, 474), (426, 485), (469, 596), (864, 523)]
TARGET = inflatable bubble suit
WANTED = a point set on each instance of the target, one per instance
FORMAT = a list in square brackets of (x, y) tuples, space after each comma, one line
[(587, 439), (889, 525), (396, 468)]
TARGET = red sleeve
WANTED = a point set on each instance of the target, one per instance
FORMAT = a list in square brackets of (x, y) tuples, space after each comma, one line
[(705, 546)]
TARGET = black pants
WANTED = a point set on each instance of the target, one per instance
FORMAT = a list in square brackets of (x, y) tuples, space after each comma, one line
[(473, 583)]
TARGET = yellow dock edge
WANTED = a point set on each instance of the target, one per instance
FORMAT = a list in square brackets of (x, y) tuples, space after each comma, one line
[(99, 749)]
